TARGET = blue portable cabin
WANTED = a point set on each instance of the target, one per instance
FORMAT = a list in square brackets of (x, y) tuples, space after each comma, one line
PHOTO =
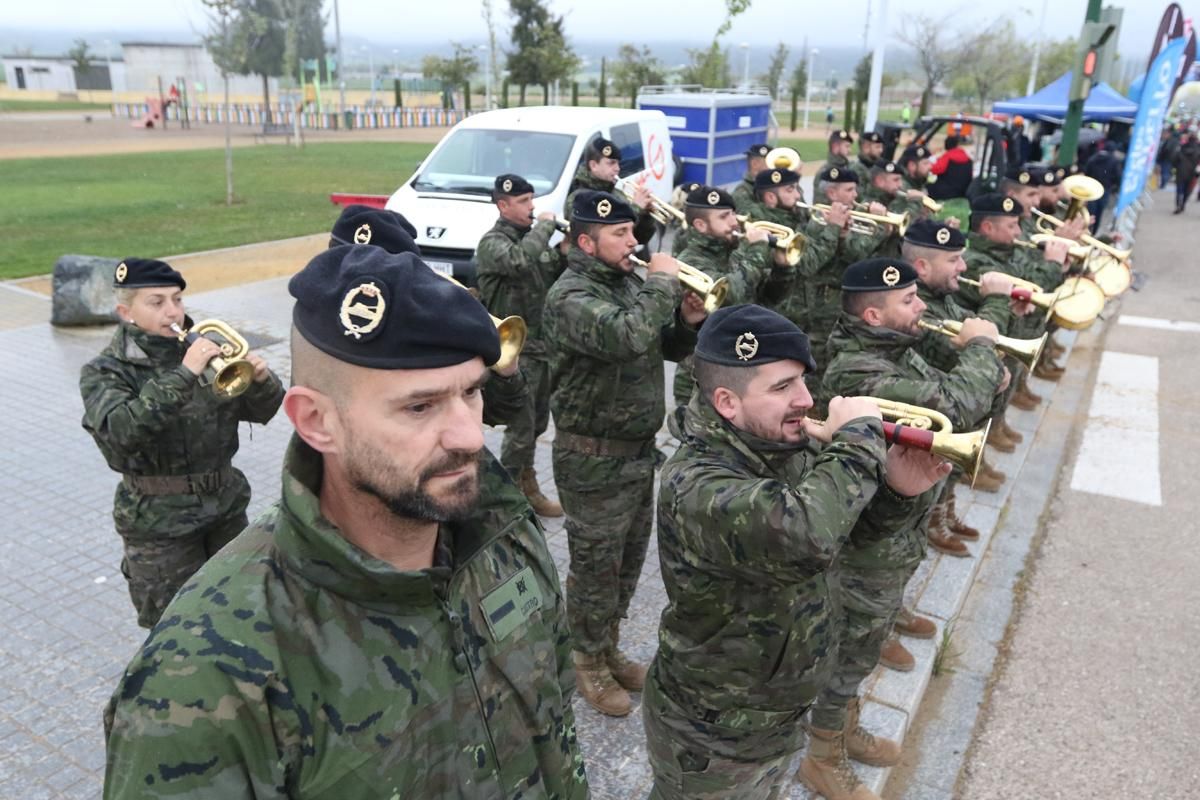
[(711, 129)]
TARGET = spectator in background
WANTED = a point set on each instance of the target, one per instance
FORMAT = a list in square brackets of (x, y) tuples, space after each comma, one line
[(906, 113), (1185, 162), (1168, 146), (1104, 166), (828, 117), (954, 170)]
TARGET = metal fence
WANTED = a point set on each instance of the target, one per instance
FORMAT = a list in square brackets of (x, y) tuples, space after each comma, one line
[(255, 114)]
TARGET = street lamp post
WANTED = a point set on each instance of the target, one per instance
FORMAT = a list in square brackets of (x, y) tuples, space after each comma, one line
[(371, 67), (487, 78), (746, 65), (341, 62), (808, 83)]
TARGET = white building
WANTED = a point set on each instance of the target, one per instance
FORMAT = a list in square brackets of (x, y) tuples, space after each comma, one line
[(58, 74), (146, 62)]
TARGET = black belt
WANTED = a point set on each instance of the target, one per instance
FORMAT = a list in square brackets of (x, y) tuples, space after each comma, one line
[(194, 483)]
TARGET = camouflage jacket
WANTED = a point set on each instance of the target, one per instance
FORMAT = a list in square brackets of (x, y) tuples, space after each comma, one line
[(863, 170), (881, 362), (890, 239), (936, 348), (983, 255), (504, 397), (151, 416), (749, 268), (681, 239), (608, 333), (294, 664), (515, 268), (743, 193), (644, 229), (746, 531), (908, 184), (1034, 266)]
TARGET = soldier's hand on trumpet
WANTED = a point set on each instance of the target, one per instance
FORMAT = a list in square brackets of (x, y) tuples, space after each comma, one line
[(547, 215), (1005, 381), (953, 222), (1073, 228), (1057, 251), (261, 370), (663, 263), (838, 216), (995, 282), (911, 472), (642, 196), (841, 411), (755, 235), (692, 310), (202, 351), (878, 209), (972, 328)]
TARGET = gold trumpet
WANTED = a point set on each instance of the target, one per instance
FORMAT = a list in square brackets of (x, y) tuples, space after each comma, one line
[(512, 333), (856, 226), (783, 158), (664, 213), (792, 242), (1075, 250), (1024, 290), (697, 282), (861, 221), (1082, 190), (914, 426), (933, 206), (1027, 351), (229, 373), (1054, 222)]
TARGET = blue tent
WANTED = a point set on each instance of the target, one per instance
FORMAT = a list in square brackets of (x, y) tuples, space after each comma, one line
[(1102, 105)]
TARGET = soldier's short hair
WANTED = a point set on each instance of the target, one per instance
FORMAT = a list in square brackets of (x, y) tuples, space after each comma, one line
[(125, 296), (314, 369), (692, 213), (710, 377), (578, 228), (1009, 185), (855, 303), (911, 252)]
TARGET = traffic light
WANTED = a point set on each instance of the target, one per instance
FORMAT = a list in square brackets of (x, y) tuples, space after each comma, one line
[(1091, 42)]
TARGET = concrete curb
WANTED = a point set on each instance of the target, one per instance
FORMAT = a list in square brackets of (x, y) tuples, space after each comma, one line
[(974, 596)]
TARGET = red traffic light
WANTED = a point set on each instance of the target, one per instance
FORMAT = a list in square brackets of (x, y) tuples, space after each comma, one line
[(1089, 64)]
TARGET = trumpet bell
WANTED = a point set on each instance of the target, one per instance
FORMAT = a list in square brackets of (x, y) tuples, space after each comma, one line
[(512, 332), (963, 450), (1082, 190), (783, 158), (229, 374), (927, 429)]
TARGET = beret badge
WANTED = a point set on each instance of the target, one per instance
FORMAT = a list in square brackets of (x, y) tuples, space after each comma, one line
[(362, 234), (776, 177), (122, 272), (1023, 177), (833, 173), (507, 185), (746, 346), (364, 302), (943, 235), (603, 209), (1007, 205), (607, 151), (713, 198), (891, 276)]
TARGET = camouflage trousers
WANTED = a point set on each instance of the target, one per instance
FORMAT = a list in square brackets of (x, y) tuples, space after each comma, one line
[(168, 537), (686, 773), (870, 600), (523, 430), (608, 532)]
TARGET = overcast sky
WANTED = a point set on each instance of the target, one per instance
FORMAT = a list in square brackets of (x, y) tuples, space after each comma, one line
[(386, 21)]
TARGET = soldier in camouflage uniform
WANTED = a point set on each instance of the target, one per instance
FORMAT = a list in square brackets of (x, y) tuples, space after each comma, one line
[(883, 187), (840, 142), (515, 268), (608, 332), (870, 150), (753, 508), (756, 162), (874, 342), (755, 271), (995, 225), (598, 173), (815, 303), (935, 251), (683, 235), (914, 168), (180, 498), (393, 626)]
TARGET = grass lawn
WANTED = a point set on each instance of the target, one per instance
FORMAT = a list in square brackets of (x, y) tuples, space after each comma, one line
[(51, 105), (157, 204), (812, 151)]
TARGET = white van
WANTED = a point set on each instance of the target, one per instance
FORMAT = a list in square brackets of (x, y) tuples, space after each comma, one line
[(449, 198)]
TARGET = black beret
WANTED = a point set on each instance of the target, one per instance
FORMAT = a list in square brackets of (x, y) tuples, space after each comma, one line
[(749, 335), (511, 186), (601, 207), (840, 136), (996, 205), (365, 306), (839, 175), (934, 233), (878, 275), (690, 187), (377, 226), (870, 136), (143, 273), (884, 168), (1054, 176), (758, 150), (774, 178), (914, 153), (603, 148), (709, 197)]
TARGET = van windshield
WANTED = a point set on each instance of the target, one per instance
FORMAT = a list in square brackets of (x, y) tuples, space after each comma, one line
[(470, 159)]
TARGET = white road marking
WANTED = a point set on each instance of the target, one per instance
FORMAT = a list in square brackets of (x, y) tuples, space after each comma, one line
[(1119, 454), (1160, 324), (12, 287)]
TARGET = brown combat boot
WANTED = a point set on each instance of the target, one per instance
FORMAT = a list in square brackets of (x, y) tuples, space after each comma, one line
[(628, 673), (542, 506), (864, 746), (940, 537), (597, 686), (955, 524), (826, 770), (1013, 435), (997, 439), (917, 627), (894, 655), (1024, 390), (1053, 348), (1048, 370)]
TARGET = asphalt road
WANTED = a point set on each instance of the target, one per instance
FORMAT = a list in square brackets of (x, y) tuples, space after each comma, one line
[(1097, 696)]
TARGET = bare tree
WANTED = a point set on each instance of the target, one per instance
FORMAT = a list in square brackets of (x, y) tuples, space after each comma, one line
[(994, 61), (774, 75), (935, 48), (489, 18)]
